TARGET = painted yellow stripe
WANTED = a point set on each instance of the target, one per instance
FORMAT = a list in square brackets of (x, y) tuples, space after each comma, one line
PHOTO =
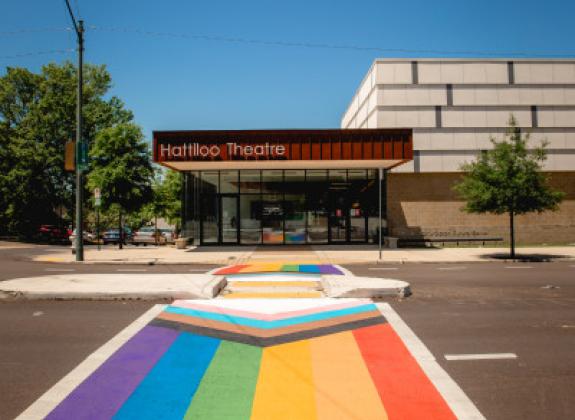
[(274, 283), (263, 267), (271, 295), (285, 388), (343, 385)]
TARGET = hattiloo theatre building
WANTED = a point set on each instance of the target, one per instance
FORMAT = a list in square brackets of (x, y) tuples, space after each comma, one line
[(283, 186)]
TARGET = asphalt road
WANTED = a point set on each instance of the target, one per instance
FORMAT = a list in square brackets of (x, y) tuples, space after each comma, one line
[(522, 308), (526, 309)]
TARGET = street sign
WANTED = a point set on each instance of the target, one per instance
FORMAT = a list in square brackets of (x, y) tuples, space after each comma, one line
[(82, 158), (69, 156), (97, 197)]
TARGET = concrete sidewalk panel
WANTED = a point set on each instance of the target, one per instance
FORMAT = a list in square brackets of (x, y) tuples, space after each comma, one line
[(114, 286), (364, 287)]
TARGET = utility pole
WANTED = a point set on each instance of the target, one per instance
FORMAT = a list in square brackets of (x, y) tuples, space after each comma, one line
[(81, 148)]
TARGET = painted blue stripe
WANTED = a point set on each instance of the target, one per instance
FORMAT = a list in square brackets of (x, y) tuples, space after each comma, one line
[(309, 268), (166, 392), (258, 323)]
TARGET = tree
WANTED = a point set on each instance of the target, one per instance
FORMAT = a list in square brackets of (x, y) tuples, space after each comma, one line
[(166, 199), (37, 117), (508, 179), (120, 167)]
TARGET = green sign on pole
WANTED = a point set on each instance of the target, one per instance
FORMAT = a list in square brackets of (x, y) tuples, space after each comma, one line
[(82, 158)]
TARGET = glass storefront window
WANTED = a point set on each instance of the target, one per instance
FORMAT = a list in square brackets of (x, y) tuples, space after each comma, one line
[(209, 182), (316, 206), (294, 206), (228, 182), (250, 182), (272, 182), (284, 206), (250, 219), (209, 210), (272, 219)]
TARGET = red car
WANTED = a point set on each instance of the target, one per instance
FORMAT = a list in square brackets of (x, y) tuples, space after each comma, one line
[(53, 234)]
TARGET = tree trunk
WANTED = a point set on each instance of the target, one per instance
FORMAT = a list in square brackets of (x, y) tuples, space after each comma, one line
[(121, 231), (512, 234)]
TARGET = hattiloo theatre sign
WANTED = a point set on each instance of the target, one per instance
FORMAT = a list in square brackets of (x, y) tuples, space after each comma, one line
[(277, 149)]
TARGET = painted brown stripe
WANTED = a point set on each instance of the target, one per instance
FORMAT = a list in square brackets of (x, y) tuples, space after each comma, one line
[(261, 332), (268, 341)]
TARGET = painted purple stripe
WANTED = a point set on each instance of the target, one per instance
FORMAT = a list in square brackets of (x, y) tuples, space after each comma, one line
[(102, 394), (329, 269)]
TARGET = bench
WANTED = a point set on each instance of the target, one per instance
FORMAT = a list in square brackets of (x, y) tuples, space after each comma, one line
[(443, 241)]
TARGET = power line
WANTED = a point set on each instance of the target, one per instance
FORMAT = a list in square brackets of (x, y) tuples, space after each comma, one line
[(32, 54), (291, 44), (33, 31)]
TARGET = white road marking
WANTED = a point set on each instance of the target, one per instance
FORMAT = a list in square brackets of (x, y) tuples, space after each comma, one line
[(59, 269), (481, 356), (51, 398), (518, 267), (452, 268), (460, 404), (383, 268), (131, 269)]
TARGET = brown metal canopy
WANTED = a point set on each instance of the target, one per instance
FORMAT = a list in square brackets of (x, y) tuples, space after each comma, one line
[(283, 149)]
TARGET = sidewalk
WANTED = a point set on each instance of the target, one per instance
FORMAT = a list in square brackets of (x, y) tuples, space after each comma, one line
[(352, 254)]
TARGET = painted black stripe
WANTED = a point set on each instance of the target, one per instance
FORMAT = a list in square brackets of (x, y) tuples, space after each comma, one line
[(268, 341)]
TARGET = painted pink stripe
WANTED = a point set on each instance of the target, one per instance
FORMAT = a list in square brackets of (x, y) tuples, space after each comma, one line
[(268, 317)]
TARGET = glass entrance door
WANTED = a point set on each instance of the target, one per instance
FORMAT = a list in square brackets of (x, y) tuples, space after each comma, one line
[(338, 220), (229, 222)]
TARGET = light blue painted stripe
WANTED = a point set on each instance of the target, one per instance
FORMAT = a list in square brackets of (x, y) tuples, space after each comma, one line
[(166, 392), (257, 323)]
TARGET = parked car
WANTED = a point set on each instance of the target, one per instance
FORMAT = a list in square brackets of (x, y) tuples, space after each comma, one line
[(148, 235), (112, 236), (88, 237), (53, 234), (169, 234)]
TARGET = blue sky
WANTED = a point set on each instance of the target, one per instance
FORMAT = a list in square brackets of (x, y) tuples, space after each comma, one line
[(186, 83)]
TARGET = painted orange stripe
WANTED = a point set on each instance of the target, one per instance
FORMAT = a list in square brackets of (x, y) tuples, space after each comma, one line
[(406, 392), (344, 389), (285, 388)]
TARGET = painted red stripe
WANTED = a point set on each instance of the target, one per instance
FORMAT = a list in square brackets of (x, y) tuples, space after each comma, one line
[(405, 390), (233, 269)]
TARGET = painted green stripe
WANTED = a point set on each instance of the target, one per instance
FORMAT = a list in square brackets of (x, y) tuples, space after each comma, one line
[(228, 387), (290, 267)]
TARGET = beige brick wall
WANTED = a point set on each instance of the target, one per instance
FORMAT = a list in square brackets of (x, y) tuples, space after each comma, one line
[(425, 204)]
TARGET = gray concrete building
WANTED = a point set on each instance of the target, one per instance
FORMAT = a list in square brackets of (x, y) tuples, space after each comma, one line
[(454, 107)]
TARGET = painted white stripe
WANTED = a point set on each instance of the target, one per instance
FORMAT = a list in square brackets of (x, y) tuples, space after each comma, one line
[(482, 356), (59, 269), (460, 404), (452, 268), (383, 268), (55, 395), (518, 267), (131, 269)]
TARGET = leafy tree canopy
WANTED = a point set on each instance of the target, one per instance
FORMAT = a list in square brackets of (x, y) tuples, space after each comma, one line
[(120, 167), (508, 178), (37, 118)]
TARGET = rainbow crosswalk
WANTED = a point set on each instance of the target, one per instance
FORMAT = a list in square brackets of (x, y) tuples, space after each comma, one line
[(278, 268), (260, 359)]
